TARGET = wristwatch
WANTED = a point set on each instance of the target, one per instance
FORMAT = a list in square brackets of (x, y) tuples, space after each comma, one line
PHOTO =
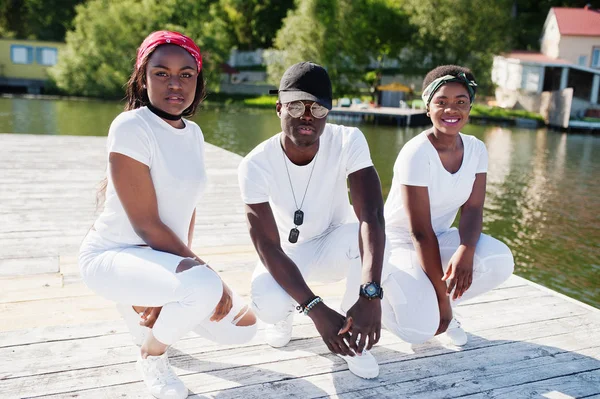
[(371, 290)]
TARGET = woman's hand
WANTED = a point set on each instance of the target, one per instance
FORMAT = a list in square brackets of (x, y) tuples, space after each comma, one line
[(459, 274), (224, 305), (149, 316), (445, 315)]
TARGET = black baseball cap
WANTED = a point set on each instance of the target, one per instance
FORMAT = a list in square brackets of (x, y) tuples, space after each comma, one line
[(305, 81)]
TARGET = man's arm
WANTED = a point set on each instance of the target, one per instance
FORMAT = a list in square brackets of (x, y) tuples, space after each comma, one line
[(367, 200), (265, 237)]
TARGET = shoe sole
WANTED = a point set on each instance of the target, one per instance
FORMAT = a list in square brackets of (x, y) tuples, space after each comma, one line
[(360, 372), (272, 345)]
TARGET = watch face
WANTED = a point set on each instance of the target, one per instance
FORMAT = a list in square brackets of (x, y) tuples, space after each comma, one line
[(371, 290)]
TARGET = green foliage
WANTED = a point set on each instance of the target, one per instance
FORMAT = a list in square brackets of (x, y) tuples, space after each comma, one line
[(463, 32), (342, 35), (253, 24), (101, 49), (37, 19)]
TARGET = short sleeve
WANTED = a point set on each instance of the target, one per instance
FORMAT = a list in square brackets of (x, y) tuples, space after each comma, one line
[(253, 183), (359, 156), (412, 167), (482, 165), (129, 136)]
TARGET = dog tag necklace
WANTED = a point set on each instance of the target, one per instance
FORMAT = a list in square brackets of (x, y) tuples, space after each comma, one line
[(298, 215)]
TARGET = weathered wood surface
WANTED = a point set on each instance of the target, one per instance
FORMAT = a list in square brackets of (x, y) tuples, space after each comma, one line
[(59, 340)]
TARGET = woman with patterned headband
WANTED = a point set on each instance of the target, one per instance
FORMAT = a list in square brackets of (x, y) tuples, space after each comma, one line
[(436, 174), (138, 253)]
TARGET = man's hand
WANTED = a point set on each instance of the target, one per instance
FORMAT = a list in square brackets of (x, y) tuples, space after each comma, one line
[(149, 316), (365, 317), (332, 327), (459, 274), (224, 305), (445, 314)]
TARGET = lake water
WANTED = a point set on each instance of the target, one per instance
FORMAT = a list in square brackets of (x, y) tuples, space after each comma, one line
[(543, 193)]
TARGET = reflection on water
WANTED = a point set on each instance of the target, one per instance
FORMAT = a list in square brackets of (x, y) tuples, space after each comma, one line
[(543, 196)]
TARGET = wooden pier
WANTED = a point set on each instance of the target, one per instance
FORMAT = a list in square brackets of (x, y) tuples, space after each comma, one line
[(60, 340), (381, 115)]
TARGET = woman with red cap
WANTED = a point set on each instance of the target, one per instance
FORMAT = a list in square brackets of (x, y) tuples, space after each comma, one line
[(138, 253)]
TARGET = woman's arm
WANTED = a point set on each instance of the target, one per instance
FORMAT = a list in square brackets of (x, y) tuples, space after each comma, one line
[(134, 186), (459, 274), (191, 230), (471, 213), (416, 202)]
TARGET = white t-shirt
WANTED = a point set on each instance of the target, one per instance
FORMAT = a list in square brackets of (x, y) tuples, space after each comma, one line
[(419, 164), (176, 161), (263, 178)]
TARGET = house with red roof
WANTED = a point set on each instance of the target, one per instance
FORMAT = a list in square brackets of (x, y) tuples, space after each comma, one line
[(573, 34), (569, 58)]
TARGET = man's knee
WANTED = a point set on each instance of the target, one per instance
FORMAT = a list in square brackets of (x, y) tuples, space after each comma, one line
[(269, 301)]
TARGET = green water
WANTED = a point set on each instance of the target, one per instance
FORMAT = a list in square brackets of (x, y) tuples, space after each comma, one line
[(543, 196)]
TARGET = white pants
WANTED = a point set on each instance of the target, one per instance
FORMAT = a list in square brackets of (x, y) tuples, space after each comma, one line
[(141, 276), (410, 306), (330, 257)]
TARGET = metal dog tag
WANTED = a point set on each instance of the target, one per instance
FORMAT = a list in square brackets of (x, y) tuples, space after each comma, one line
[(298, 217), (294, 233)]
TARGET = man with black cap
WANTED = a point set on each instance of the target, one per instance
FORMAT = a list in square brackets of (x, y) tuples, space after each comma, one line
[(295, 187)]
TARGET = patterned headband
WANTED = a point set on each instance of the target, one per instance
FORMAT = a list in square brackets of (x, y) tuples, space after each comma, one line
[(439, 82)]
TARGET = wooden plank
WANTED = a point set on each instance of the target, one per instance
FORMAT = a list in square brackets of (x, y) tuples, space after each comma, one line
[(27, 360), (527, 378), (306, 374), (503, 312), (28, 266), (520, 335), (535, 331)]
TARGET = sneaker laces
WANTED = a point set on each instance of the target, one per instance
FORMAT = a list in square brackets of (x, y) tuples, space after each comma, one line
[(454, 323), (282, 327), (162, 371)]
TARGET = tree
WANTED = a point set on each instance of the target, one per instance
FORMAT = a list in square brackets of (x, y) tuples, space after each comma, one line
[(344, 36), (101, 48), (36, 19), (465, 32), (253, 24)]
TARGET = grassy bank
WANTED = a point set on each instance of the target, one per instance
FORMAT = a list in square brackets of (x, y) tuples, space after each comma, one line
[(266, 101), (484, 111), (240, 100)]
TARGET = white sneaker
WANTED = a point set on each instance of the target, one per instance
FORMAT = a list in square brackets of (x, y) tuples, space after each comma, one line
[(161, 380), (279, 334), (364, 366), (132, 320), (456, 334)]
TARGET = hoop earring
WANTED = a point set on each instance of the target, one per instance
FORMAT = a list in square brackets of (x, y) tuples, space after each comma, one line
[(428, 115)]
